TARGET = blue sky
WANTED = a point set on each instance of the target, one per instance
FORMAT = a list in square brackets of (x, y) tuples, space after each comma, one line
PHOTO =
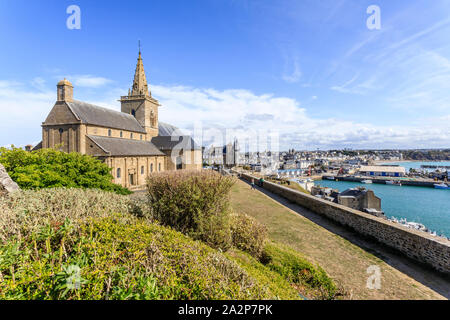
[(312, 70)]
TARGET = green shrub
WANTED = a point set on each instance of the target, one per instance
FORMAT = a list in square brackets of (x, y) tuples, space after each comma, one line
[(312, 280), (24, 212), (248, 234), (109, 258), (280, 287), (49, 168), (195, 203)]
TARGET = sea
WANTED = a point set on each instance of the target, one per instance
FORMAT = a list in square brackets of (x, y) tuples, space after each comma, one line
[(428, 206)]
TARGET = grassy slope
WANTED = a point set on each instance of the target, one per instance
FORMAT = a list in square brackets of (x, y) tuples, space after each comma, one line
[(46, 235), (343, 261)]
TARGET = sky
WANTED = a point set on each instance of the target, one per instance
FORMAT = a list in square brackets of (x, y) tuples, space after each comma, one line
[(311, 71)]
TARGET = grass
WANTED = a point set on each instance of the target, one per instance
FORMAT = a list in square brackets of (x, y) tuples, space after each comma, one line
[(345, 262)]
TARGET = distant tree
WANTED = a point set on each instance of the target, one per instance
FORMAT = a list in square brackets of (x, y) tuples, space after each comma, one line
[(49, 168)]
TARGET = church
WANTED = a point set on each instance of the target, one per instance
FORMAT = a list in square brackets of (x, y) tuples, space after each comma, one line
[(133, 143)]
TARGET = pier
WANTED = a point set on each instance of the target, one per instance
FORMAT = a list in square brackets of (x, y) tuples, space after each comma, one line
[(427, 166), (382, 180)]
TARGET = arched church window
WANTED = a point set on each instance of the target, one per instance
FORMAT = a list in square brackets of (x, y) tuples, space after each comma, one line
[(121, 134), (133, 113), (109, 133), (151, 167), (61, 130), (142, 170), (131, 135), (118, 172)]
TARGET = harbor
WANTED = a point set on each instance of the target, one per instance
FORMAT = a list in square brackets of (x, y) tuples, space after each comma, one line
[(383, 180), (426, 206)]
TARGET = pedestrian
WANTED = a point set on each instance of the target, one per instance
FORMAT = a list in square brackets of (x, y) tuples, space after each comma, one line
[(253, 184)]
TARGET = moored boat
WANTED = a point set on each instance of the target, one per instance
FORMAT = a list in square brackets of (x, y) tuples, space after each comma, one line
[(441, 186), (394, 183), (367, 181)]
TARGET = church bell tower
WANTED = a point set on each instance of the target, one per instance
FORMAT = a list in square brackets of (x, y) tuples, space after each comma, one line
[(140, 103)]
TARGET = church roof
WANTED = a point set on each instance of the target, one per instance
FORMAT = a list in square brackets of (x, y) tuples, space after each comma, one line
[(91, 114), (125, 147), (165, 129), (169, 142)]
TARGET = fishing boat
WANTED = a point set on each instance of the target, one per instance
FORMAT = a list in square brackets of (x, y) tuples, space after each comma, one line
[(394, 183), (441, 186), (367, 181)]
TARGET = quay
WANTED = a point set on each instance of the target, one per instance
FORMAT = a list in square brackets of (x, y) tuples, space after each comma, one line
[(382, 180), (427, 166)]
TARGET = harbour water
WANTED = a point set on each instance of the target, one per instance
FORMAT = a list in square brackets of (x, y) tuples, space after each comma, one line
[(416, 164), (428, 206)]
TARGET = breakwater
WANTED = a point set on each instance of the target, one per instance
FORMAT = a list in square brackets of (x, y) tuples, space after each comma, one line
[(433, 251), (382, 180), (425, 166)]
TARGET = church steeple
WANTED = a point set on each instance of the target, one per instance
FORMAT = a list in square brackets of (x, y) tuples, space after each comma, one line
[(140, 86), (140, 103)]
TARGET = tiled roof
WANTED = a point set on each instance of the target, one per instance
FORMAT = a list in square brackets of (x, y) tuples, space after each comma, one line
[(91, 114), (168, 142), (125, 147)]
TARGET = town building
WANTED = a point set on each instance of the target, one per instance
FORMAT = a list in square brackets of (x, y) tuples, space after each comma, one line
[(132, 142), (361, 199), (382, 171), (356, 198)]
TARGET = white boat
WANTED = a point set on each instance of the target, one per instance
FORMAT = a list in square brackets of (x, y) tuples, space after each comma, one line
[(441, 186), (394, 183), (367, 181)]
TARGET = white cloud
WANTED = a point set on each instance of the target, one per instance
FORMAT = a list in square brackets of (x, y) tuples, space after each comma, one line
[(89, 81), (234, 109), (231, 109)]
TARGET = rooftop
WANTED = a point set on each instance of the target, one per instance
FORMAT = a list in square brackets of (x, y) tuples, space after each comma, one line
[(382, 169), (125, 147)]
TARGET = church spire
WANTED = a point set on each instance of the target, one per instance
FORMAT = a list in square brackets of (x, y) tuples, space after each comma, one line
[(140, 86)]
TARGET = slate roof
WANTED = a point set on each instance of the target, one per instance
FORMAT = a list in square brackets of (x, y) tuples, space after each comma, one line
[(165, 129), (353, 192), (125, 147), (37, 147), (91, 114), (169, 142)]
